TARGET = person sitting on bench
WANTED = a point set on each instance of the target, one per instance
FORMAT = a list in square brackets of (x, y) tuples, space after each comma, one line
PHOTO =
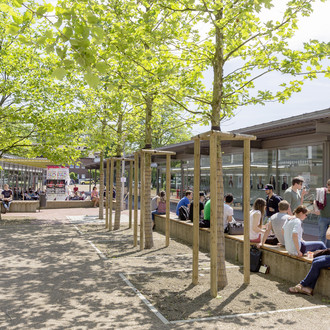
[(307, 285), (276, 223), (7, 197), (292, 231), (201, 207)]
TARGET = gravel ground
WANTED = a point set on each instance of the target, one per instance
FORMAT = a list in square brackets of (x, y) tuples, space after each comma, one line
[(54, 277)]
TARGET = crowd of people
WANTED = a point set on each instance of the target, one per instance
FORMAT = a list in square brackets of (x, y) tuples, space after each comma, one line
[(8, 195), (273, 220)]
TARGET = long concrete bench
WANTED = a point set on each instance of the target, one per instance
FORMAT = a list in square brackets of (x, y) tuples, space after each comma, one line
[(22, 206), (71, 204), (281, 264)]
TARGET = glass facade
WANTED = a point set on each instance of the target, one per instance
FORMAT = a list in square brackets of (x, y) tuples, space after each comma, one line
[(21, 177), (278, 167)]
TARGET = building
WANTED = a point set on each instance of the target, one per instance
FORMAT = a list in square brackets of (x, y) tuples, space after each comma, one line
[(285, 148)]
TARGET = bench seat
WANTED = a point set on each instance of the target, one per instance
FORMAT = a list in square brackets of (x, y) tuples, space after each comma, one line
[(71, 204), (281, 263), (22, 206)]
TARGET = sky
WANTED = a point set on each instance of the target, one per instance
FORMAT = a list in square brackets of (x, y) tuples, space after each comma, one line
[(315, 95)]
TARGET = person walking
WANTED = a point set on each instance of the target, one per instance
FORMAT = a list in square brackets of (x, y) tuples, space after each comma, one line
[(322, 208), (272, 201)]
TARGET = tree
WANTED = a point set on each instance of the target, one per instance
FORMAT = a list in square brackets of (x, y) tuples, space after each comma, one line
[(35, 110), (135, 50), (240, 48)]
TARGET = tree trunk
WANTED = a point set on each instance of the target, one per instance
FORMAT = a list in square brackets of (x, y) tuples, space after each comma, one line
[(101, 185), (147, 195), (119, 152), (218, 63)]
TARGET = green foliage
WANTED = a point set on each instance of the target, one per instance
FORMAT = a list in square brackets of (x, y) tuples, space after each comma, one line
[(240, 47), (35, 110)]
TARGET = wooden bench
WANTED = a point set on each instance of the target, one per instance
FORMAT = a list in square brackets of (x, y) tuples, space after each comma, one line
[(281, 264), (22, 206)]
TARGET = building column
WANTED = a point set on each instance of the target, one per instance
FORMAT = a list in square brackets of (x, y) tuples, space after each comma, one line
[(326, 161)]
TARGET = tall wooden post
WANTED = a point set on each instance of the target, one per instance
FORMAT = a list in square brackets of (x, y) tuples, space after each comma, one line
[(196, 210), (246, 210), (107, 194), (130, 194), (214, 215), (168, 196), (136, 197), (142, 175), (111, 197)]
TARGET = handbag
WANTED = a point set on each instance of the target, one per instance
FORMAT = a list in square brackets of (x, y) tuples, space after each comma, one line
[(255, 259), (234, 228), (272, 240)]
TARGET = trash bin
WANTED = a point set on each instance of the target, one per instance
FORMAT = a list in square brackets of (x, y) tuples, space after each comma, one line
[(42, 200)]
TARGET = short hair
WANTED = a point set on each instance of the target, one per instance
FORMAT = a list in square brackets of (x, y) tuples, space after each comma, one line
[(298, 180), (201, 194), (229, 198), (283, 205), (300, 209), (188, 192)]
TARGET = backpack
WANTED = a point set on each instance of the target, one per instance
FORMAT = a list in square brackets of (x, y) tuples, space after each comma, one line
[(183, 213), (255, 259)]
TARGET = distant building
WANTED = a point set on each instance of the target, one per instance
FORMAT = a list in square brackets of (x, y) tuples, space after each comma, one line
[(80, 170)]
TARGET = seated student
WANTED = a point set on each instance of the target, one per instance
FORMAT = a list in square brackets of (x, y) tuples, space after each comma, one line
[(307, 285), (256, 216), (228, 211), (7, 197), (76, 196), (75, 189), (95, 197), (277, 221), (201, 207), (185, 201), (205, 223), (292, 231), (154, 203), (161, 207)]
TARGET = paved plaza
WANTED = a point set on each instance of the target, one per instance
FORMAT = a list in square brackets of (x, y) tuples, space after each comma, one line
[(56, 275)]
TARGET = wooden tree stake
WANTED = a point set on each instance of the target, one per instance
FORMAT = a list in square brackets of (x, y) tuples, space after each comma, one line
[(130, 194), (246, 210), (168, 196), (214, 216), (111, 187), (196, 210), (142, 175), (136, 197), (107, 195)]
